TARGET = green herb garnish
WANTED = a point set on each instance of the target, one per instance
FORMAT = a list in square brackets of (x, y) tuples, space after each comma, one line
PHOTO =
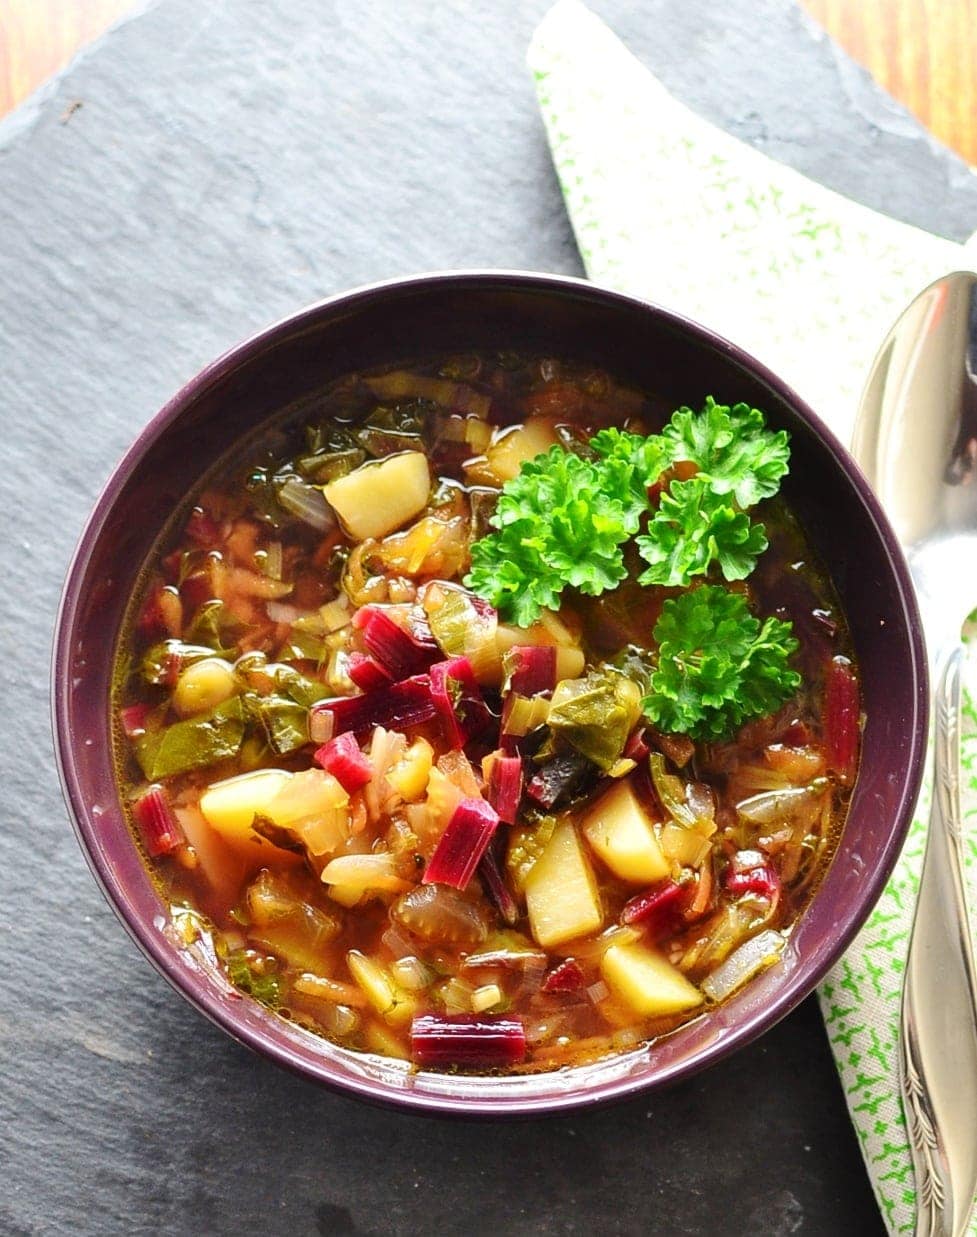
[(630, 463), (718, 666), (733, 447), (558, 525), (265, 987), (563, 521), (693, 528)]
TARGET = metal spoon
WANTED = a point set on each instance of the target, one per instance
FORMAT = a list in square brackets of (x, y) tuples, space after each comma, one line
[(916, 440)]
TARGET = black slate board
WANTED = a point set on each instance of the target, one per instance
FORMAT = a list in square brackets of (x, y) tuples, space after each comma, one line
[(229, 162)]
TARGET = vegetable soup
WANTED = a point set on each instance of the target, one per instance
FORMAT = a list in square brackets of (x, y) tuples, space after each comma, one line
[(487, 715)]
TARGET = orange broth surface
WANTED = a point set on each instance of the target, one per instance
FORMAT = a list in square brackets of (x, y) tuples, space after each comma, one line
[(618, 903)]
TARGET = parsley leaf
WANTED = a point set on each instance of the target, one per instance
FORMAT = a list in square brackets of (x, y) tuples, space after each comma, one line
[(717, 665), (733, 446), (557, 527), (630, 464), (266, 987), (693, 528)]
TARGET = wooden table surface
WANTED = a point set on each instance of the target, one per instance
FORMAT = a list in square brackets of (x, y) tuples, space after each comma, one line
[(924, 52)]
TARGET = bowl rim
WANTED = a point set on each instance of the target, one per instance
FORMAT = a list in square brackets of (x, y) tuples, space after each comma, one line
[(200, 991)]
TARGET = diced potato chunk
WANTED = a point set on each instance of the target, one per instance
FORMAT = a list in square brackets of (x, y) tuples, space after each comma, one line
[(647, 981), (379, 497), (230, 806), (512, 448), (561, 892), (312, 803), (620, 832), (362, 872)]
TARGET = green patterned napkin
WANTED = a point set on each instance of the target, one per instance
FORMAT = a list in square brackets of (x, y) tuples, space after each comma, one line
[(668, 207)]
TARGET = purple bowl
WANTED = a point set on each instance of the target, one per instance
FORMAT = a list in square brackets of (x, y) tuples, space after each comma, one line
[(640, 344)]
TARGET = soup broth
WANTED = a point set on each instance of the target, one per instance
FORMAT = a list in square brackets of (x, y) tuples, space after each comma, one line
[(487, 718)]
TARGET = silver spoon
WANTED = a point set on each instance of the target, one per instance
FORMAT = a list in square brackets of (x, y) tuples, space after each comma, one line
[(916, 440)]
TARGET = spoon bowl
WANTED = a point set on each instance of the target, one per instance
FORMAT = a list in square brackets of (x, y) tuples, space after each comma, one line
[(916, 440)]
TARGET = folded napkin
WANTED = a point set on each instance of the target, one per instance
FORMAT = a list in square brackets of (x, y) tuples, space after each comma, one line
[(666, 206)]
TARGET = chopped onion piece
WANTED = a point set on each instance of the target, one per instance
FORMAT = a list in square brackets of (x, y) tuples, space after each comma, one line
[(485, 997), (413, 974), (398, 944), (308, 504), (282, 612), (742, 964), (771, 806)]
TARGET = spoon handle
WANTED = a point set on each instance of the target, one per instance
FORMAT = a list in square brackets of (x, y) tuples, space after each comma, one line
[(938, 1033)]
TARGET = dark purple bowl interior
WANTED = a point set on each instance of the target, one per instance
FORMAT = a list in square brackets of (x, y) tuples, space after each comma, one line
[(640, 344)]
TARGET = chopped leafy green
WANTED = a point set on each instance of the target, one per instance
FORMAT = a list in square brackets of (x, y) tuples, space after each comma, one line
[(630, 464), (718, 666), (733, 447), (451, 620), (297, 687), (285, 723), (163, 659), (557, 527), (192, 743), (596, 713), (306, 640), (693, 528), (325, 465), (265, 987), (214, 625)]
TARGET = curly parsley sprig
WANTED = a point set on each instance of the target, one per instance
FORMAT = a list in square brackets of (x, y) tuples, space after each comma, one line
[(558, 526), (732, 447), (564, 520), (693, 528), (718, 666)]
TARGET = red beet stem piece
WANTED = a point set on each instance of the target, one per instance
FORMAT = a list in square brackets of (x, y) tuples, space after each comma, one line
[(567, 977), (530, 669), (841, 710), (505, 786), (160, 829), (637, 748), (342, 758), (473, 1041), (367, 673), (398, 706), (490, 873), (657, 908), (761, 880), (133, 720), (457, 697), (150, 622), (397, 650), (462, 844)]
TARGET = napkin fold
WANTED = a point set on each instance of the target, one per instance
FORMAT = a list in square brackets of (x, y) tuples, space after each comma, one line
[(666, 206)]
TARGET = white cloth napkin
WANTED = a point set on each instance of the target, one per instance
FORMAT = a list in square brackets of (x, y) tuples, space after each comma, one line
[(666, 206)]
